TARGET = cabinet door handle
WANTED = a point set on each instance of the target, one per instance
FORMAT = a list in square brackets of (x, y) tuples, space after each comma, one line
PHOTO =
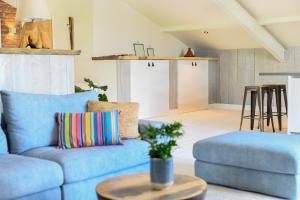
[(153, 64), (193, 64), (196, 64), (149, 65)]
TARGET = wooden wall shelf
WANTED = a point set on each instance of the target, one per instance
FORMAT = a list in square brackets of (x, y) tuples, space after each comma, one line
[(26, 51), (151, 58)]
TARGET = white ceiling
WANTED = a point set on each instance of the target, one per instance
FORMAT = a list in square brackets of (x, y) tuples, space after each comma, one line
[(11, 2), (187, 20)]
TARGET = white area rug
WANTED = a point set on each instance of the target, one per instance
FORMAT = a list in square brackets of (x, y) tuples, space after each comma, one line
[(204, 124)]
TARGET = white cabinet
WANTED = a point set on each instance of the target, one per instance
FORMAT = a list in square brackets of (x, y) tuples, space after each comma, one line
[(192, 85), (38, 74), (294, 106), (145, 82)]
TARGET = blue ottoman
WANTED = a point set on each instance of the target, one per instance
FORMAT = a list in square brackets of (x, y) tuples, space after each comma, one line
[(260, 162)]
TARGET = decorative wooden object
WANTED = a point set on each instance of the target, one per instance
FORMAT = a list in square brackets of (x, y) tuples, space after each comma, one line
[(36, 35), (71, 30), (137, 187)]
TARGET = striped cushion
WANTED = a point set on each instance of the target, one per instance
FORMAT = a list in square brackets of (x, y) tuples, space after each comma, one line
[(88, 129)]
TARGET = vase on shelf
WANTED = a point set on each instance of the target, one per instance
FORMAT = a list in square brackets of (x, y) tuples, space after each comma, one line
[(189, 53)]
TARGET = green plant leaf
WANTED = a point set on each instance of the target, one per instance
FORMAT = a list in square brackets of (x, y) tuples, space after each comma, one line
[(101, 95), (79, 89), (162, 140)]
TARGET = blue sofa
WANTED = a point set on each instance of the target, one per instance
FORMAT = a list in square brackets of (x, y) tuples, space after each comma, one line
[(260, 162), (34, 168)]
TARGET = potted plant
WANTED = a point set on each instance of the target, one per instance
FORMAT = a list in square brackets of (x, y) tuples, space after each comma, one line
[(162, 141)]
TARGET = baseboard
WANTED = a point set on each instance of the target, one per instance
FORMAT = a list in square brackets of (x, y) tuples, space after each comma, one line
[(188, 110), (237, 107), (228, 106)]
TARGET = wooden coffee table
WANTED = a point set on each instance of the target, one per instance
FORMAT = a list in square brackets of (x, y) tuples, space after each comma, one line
[(138, 187)]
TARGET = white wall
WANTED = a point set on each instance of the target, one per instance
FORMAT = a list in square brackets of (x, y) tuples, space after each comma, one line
[(104, 27), (82, 13), (116, 26)]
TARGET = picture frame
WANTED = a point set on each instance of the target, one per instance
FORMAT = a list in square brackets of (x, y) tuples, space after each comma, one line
[(150, 52), (139, 49)]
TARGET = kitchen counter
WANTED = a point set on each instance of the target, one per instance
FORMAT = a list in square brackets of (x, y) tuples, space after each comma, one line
[(294, 74), (28, 51), (293, 98)]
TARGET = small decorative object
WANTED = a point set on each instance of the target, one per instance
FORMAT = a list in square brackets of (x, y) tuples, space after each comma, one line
[(37, 25), (139, 49), (162, 141), (100, 89), (71, 32), (150, 52), (36, 35), (189, 53)]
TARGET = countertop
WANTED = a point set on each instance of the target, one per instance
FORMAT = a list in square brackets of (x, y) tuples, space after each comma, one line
[(39, 51), (116, 57), (279, 74)]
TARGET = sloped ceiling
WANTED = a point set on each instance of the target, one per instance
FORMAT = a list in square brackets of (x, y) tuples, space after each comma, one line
[(11, 2), (188, 20)]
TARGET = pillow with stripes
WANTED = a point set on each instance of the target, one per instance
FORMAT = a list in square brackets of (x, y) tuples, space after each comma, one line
[(88, 129)]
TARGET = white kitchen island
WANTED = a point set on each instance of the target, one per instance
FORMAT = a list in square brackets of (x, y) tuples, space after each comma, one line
[(293, 99)]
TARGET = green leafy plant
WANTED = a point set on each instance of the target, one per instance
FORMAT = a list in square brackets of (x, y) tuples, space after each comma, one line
[(162, 140), (100, 89)]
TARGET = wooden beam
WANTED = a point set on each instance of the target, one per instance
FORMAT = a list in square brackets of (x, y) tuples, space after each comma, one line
[(249, 23), (279, 20), (195, 27)]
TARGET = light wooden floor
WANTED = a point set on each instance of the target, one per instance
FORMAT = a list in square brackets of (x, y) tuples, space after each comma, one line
[(204, 124)]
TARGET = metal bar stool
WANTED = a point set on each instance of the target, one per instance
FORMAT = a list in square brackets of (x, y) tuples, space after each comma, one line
[(278, 90), (265, 90), (255, 92)]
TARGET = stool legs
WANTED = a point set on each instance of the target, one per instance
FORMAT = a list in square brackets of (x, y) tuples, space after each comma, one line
[(270, 114), (285, 100), (269, 108), (255, 95), (260, 111), (278, 105), (252, 109), (243, 109)]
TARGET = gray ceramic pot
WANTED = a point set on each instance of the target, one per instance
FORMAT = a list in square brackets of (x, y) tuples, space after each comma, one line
[(161, 173)]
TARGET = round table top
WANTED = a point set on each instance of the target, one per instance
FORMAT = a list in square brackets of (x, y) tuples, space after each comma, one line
[(138, 186)]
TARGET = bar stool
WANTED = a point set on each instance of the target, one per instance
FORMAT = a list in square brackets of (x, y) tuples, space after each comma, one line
[(266, 90), (258, 95), (255, 93), (278, 90)]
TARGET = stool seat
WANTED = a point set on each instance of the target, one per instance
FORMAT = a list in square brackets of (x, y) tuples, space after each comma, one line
[(252, 88)]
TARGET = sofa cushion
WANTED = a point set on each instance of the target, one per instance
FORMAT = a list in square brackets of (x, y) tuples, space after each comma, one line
[(21, 176), (3, 142), (278, 153), (128, 120), (31, 118), (84, 163), (88, 129)]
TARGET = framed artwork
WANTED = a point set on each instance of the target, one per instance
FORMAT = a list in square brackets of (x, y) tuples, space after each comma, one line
[(150, 52), (139, 49)]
